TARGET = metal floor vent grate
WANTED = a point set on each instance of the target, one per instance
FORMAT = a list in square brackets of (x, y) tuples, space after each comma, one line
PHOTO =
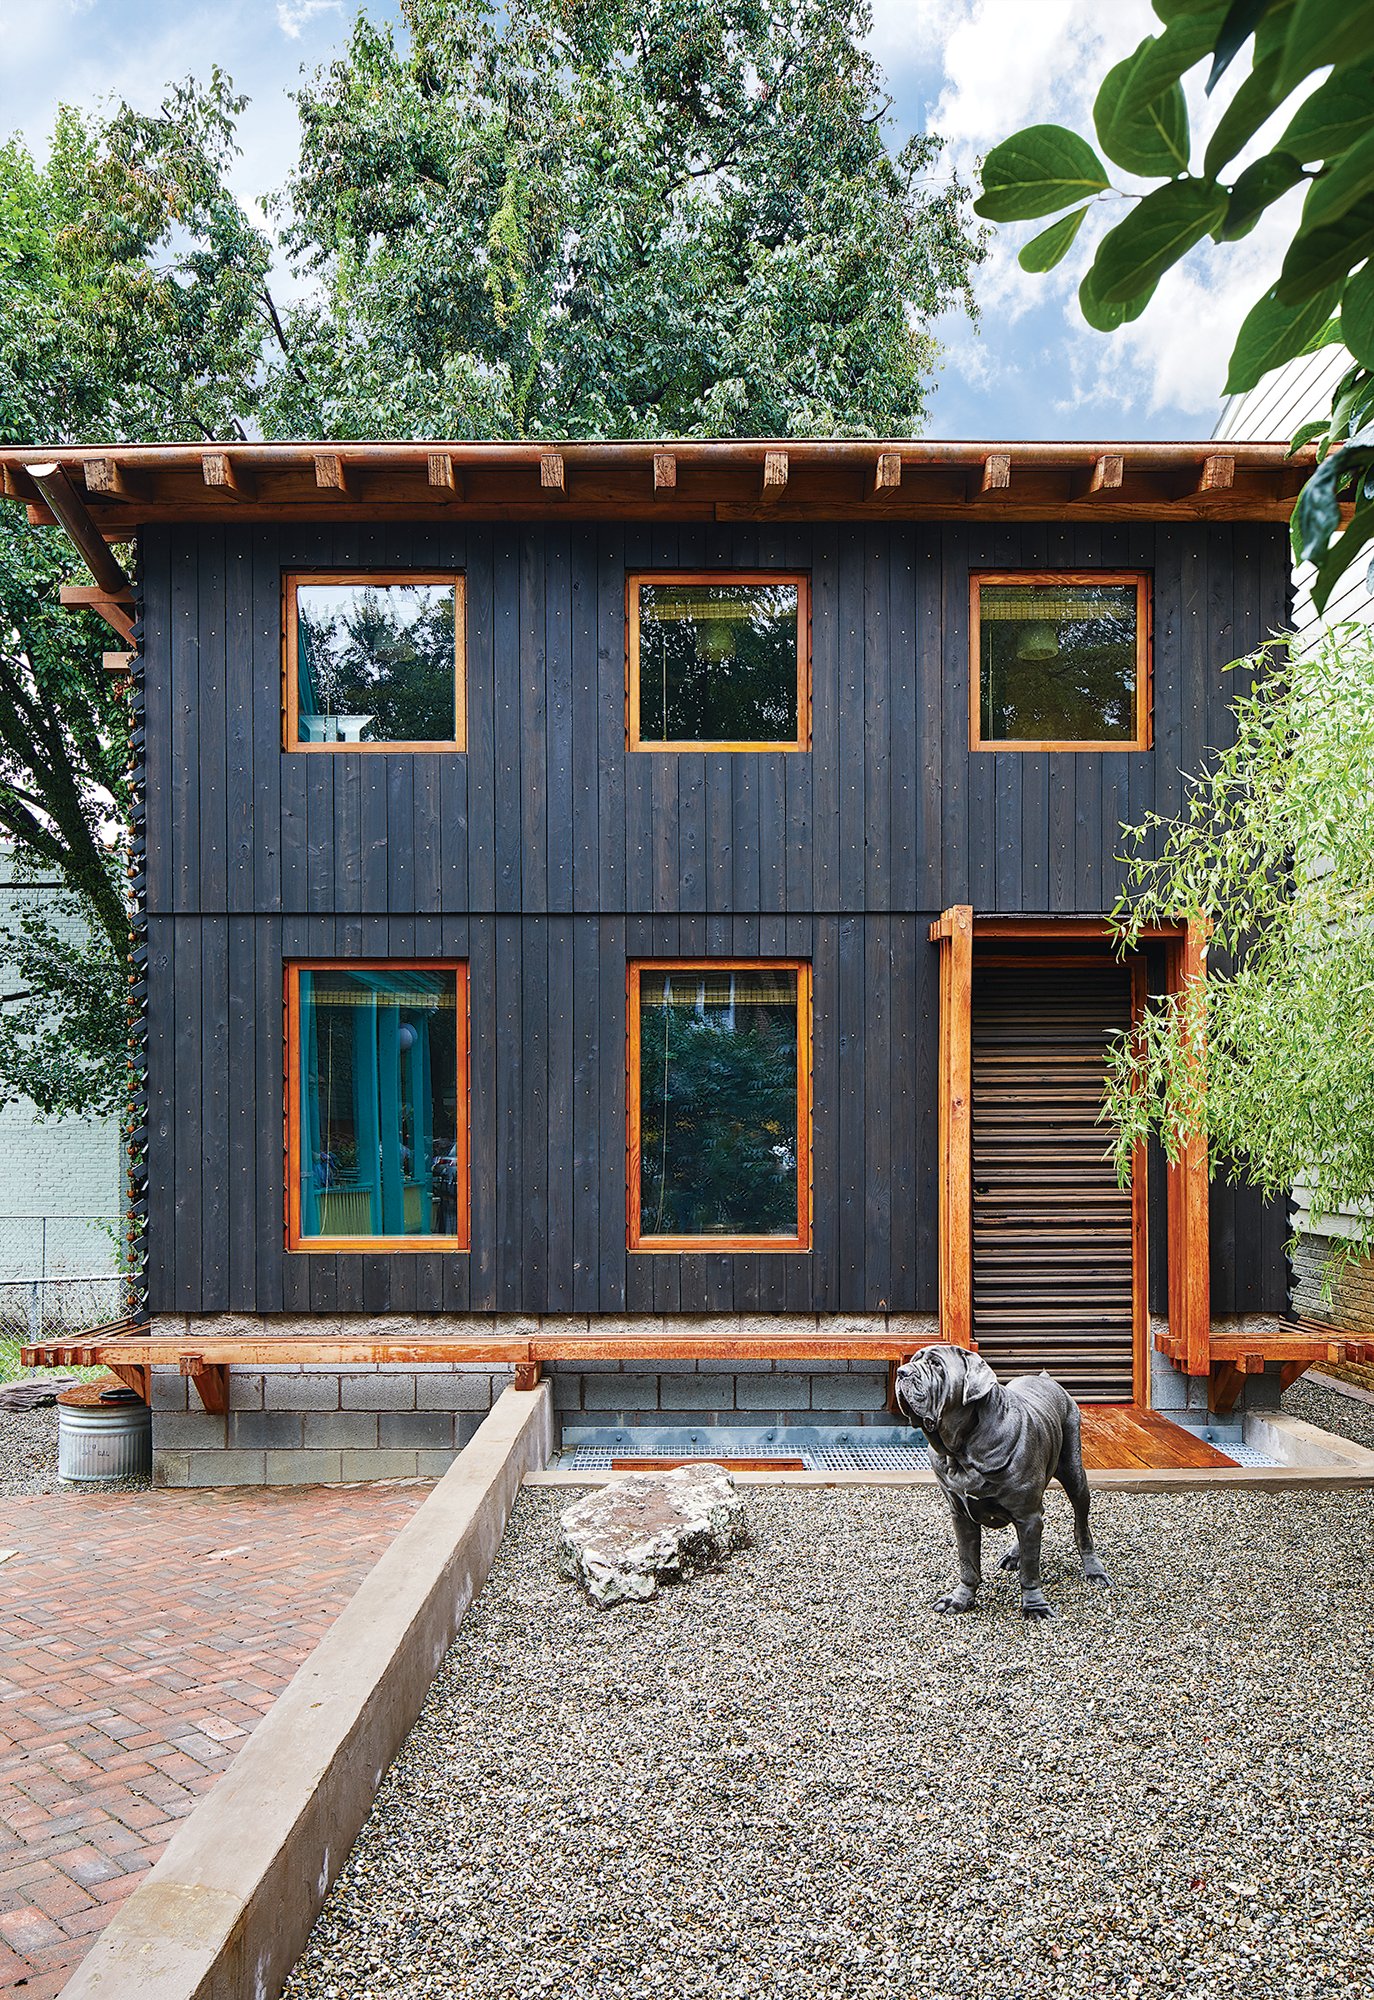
[(815, 1458)]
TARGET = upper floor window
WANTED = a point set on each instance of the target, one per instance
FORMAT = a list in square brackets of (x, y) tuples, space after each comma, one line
[(377, 1106), (719, 661), (720, 1105), (1060, 660), (375, 662)]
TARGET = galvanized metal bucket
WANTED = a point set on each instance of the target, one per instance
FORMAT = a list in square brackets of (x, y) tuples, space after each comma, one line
[(103, 1432)]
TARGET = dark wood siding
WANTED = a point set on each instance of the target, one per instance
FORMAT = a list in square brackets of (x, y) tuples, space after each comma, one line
[(548, 856)]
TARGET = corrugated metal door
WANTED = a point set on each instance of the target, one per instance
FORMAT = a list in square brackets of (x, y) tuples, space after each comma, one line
[(1052, 1237)]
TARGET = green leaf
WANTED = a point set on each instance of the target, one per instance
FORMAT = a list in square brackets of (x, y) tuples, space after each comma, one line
[(1307, 434), (1140, 113), (1036, 171), (1135, 255), (1108, 317), (1318, 512), (1335, 192), (1341, 553), (1263, 181), (1242, 19), (1336, 115), (1255, 100), (1357, 315), (1323, 32), (1272, 333), (1044, 251), (1319, 257)]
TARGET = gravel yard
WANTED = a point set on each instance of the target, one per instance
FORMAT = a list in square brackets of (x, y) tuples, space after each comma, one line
[(792, 1778), (1347, 1416)]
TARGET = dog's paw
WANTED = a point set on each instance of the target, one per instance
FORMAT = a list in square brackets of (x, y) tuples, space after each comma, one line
[(1094, 1573), (1012, 1561), (1036, 1608), (952, 1602)]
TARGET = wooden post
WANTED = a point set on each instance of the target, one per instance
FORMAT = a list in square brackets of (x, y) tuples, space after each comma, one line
[(954, 933), (1190, 1294)]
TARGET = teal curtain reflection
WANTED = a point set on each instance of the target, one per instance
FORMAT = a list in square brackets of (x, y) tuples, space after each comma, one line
[(379, 1103)]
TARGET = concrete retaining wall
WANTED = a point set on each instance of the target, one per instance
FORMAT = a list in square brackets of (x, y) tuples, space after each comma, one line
[(225, 1913)]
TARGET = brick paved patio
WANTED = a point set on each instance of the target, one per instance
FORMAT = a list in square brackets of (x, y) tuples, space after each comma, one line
[(142, 1636)]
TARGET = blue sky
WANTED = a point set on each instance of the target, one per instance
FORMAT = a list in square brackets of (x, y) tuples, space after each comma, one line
[(974, 70)]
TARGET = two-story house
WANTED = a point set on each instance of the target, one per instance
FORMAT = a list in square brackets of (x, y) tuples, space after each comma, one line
[(638, 911)]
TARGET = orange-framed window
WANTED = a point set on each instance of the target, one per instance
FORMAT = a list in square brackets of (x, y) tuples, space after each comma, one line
[(377, 1141), (1059, 660), (374, 660), (719, 1104), (718, 660)]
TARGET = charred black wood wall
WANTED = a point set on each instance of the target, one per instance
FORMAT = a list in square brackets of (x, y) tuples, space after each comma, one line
[(547, 856)]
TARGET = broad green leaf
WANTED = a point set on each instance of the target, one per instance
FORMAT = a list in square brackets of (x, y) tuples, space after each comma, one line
[(1341, 553), (1255, 100), (1325, 32), (1044, 251), (1240, 22), (1036, 171), (1357, 315), (1108, 317), (1337, 114), (1263, 181), (1318, 512), (1272, 333), (1320, 257), (1134, 256), (1335, 192), (1307, 434), (1140, 113), (1210, 11)]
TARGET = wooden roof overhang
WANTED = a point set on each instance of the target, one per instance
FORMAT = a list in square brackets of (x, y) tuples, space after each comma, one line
[(121, 487)]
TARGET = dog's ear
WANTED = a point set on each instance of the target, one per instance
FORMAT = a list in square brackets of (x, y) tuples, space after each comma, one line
[(979, 1380)]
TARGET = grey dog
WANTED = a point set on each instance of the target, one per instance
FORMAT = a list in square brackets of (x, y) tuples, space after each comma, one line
[(995, 1450)]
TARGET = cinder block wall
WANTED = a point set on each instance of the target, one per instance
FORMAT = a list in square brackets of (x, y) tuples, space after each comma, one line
[(677, 1395), (299, 1426)]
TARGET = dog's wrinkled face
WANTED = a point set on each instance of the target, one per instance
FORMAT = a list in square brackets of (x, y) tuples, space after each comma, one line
[(939, 1390)]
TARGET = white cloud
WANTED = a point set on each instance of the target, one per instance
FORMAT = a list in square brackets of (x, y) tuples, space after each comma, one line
[(294, 15)]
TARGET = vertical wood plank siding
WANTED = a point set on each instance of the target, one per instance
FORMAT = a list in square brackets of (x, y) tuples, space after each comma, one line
[(548, 856)]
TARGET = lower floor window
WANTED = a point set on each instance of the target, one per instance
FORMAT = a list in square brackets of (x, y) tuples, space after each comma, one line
[(377, 1117), (720, 1105)]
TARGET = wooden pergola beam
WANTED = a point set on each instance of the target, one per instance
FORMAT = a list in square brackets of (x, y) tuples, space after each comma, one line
[(107, 479), (996, 472), (553, 476), (330, 475), (887, 474), (776, 468), (665, 471), (220, 472), (1218, 472), (68, 510)]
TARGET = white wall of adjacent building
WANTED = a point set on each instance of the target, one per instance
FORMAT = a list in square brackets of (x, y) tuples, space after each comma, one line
[(60, 1178)]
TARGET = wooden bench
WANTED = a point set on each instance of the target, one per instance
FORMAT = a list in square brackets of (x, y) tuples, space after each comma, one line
[(130, 1352), (1294, 1345)]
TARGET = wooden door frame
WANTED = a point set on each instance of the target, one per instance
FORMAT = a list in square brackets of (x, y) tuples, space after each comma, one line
[(956, 931)]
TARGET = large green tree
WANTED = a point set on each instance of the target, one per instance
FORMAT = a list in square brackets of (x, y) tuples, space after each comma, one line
[(562, 219), (591, 218)]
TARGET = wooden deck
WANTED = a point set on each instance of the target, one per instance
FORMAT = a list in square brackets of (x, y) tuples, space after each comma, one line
[(1117, 1437)]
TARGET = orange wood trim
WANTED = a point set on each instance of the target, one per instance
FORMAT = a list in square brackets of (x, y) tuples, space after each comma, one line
[(634, 578), (133, 1375), (1140, 1227), (1190, 1302), (292, 579), (993, 927), (324, 1245), (956, 1125), (1144, 664), (678, 1245)]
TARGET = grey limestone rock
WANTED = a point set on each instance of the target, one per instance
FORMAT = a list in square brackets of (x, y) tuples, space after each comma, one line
[(625, 1539)]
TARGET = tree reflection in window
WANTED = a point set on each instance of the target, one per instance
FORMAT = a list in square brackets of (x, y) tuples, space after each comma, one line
[(718, 1097), (1058, 662), (719, 662), (376, 662)]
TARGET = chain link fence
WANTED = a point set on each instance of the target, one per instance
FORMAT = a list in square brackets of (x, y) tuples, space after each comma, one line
[(58, 1279)]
